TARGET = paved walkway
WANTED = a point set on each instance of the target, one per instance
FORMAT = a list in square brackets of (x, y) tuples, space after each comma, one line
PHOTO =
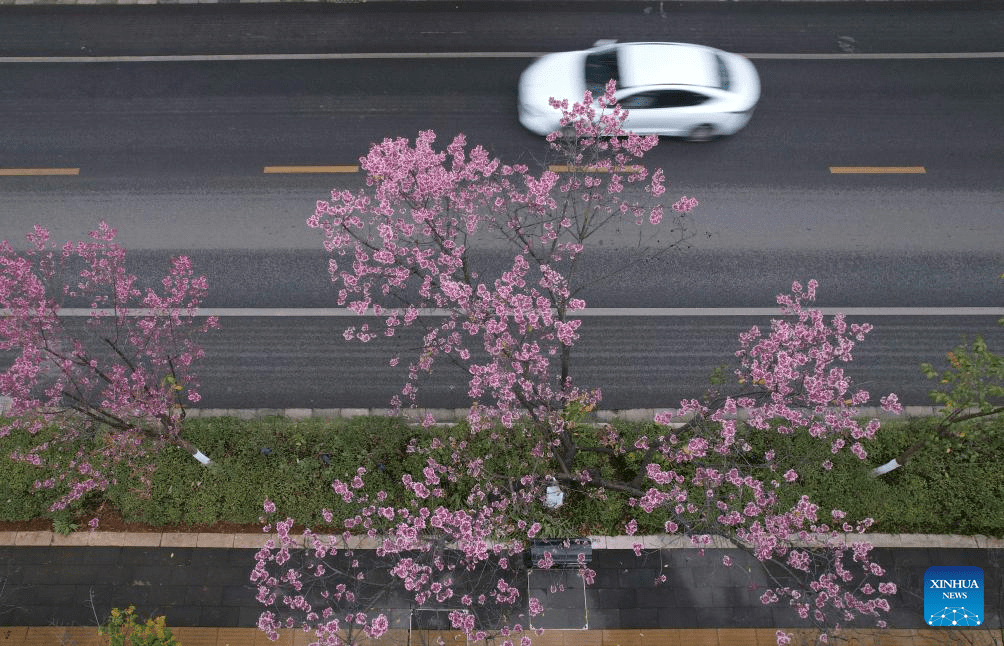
[(200, 582), (79, 636)]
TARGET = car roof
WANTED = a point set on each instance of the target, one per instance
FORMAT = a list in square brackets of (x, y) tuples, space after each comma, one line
[(666, 64)]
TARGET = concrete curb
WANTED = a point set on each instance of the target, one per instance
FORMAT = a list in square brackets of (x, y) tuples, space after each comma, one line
[(457, 414)]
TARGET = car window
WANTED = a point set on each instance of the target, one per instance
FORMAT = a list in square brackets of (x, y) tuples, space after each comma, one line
[(680, 98), (600, 68), (640, 101)]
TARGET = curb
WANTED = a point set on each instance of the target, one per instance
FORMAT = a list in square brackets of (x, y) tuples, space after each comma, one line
[(458, 414)]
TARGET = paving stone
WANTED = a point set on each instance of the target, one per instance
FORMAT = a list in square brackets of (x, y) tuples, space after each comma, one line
[(248, 615), (49, 635), (108, 555), (698, 597), (607, 598), (234, 637), (638, 578), (603, 618), (8, 538), (673, 617), (191, 636), (693, 637), (183, 616), (153, 556), (238, 595), (44, 595), (640, 618), (622, 637)]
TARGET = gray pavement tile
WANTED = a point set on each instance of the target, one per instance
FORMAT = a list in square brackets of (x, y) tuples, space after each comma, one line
[(560, 618), (900, 617), (894, 558), (155, 557), (211, 557), (123, 596), (241, 557), (238, 595), (604, 618), (225, 616), (206, 595), (607, 578), (673, 617), (93, 555), (700, 597), (758, 616), (183, 615), (163, 595), (735, 597), (785, 616), (946, 556), (247, 616), (601, 598), (55, 595), (638, 578), (664, 596), (640, 617)]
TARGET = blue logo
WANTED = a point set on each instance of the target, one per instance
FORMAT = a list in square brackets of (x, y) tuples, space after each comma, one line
[(953, 596)]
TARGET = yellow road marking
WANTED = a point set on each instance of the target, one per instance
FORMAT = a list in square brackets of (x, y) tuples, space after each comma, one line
[(874, 170), (311, 169), (560, 168), (39, 171)]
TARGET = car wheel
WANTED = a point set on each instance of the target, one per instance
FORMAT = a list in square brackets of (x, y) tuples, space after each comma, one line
[(701, 133)]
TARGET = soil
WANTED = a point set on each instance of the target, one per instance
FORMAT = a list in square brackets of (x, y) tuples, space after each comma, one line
[(109, 520)]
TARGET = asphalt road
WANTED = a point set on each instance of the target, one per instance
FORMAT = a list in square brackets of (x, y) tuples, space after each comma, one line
[(172, 153)]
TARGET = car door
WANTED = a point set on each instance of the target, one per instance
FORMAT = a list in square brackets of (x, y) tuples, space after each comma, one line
[(642, 110), (668, 111)]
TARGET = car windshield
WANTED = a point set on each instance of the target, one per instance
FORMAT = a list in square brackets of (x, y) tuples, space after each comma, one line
[(600, 68), (723, 73)]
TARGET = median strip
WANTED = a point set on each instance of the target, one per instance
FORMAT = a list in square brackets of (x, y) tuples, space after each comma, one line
[(310, 169), (561, 168), (28, 172), (877, 170)]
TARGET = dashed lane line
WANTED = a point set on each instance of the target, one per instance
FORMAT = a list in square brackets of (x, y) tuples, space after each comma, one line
[(878, 170), (35, 172)]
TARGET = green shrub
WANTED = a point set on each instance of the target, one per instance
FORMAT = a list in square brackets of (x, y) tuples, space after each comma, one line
[(955, 485)]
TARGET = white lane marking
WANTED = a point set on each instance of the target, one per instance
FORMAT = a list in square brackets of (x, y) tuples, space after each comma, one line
[(177, 58), (292, 312)]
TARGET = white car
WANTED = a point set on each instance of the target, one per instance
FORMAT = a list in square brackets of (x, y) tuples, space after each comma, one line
[(670, 89)]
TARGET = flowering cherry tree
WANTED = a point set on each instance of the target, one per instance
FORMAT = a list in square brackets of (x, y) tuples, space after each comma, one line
[(116, 386), (402, 253), (701, 476)]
